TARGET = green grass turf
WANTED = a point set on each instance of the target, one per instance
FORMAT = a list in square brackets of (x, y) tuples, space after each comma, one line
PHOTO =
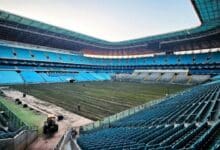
[(99, 99), (29, 117)]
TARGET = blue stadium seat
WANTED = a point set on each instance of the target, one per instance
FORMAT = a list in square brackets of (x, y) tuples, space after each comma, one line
[(76, 59), (39, 55), (179, 122), (149, 61), (160, 60), (6, 52), (54, 57), (50, 79), (31, 77), (201, 59), (186, 59), (10, 77), (215, 57), (65, 58), (171, 59), (22, 53), (7, 67)]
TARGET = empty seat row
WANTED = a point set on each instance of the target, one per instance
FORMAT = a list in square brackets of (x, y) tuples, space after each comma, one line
[(7, 52), (184, 121), (163, 77), (32, 77)]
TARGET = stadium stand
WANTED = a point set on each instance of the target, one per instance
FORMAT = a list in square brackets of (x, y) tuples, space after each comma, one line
[(50, 79), (10, 77), (189, 120), (180, 77), (29, 59), (181, 122), (166, 77), (6, 52), (12, 52), (163, 76), (216, 77), (31, 77), (154, 76), (197, 79), (21, 54), (38, 55)]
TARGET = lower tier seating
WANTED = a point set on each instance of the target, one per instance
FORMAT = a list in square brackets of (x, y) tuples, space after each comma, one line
[(163, 77), (10, 77), (31, 77), (50, 79), (185, 121)]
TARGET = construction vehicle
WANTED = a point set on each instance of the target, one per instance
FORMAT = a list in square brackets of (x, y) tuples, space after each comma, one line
[(50, 125)]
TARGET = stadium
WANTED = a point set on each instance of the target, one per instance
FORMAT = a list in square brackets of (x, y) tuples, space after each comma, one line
[(155, 92)]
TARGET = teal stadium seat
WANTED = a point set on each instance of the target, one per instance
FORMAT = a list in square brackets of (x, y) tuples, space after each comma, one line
[(54, 57), (39, 55), (10, 77), (179, 122), (31, 77), (50, 79), (6, 52), (22, 54)]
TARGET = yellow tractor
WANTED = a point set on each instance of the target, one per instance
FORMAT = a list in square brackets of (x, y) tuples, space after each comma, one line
[(50, 125)]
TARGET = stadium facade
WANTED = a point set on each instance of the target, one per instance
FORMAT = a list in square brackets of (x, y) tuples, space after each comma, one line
[(34, 52)]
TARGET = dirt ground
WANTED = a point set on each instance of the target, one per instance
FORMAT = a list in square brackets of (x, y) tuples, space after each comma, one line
[(70, 119)]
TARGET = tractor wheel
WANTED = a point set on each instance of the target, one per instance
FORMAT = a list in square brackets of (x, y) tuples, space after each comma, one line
[(45, 129), (55, 127)]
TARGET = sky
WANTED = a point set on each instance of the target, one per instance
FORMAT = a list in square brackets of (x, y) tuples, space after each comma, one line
[(111, 20)]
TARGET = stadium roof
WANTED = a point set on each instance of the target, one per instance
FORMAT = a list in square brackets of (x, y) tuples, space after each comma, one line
[(21, 29)]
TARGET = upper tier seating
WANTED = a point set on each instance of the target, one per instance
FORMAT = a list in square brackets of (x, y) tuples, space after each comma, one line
[(202, 59), (216, 77), (186, 59), (215, 57), (6, 52), (54, 57), (22, 54), (65, 58), (179, 122), (171, 59), (37, 55)]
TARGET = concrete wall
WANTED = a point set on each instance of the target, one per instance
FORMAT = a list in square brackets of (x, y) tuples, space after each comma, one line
[(20, 141)]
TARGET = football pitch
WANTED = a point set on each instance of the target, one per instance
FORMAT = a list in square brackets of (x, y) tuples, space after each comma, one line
[(99, 99)]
